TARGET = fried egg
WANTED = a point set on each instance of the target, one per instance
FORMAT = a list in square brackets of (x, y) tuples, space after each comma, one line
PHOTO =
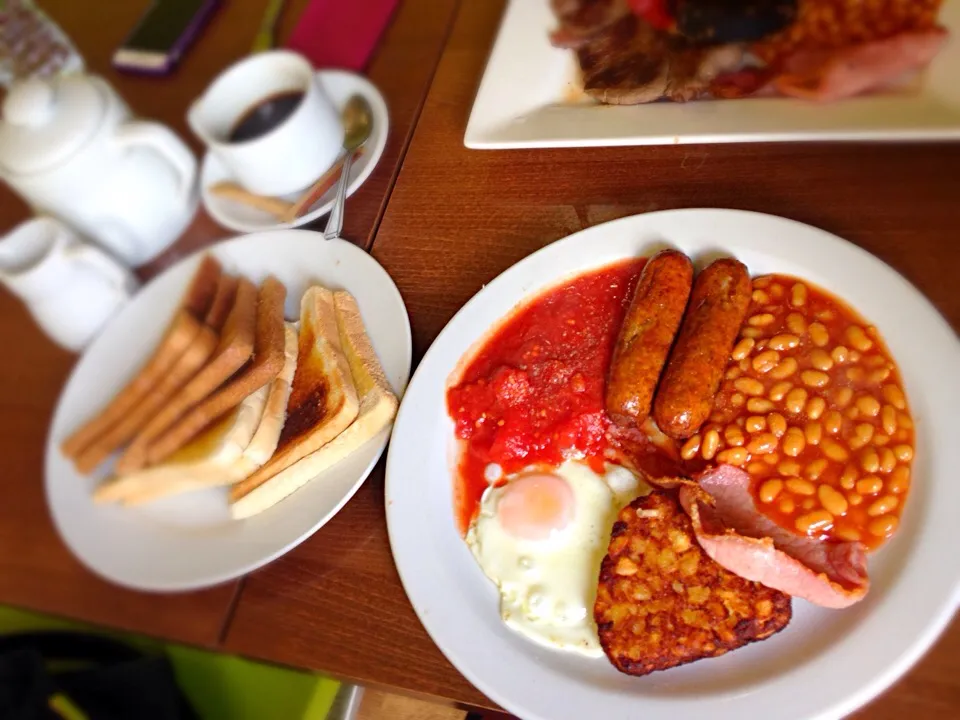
[(540, 537)]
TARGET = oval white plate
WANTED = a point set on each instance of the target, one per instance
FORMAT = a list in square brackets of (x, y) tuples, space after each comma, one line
[(827, 662), (340, 85), (190, 541)]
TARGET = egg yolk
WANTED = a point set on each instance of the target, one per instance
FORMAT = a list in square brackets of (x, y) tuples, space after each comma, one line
[(535, 505)]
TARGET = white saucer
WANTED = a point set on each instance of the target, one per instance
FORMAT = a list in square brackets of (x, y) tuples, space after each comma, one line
[(339, 85)]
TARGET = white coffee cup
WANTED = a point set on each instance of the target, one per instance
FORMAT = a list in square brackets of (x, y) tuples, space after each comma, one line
[(71, 288), (290, 156)]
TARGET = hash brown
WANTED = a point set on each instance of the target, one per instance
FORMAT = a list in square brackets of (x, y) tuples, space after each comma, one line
[(661, 600)]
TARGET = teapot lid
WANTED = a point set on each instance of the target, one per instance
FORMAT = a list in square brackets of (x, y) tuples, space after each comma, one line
[(47, 120)]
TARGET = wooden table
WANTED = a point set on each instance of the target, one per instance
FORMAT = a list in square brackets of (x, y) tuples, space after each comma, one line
[(454, 220), (36, 569), (457, 218)]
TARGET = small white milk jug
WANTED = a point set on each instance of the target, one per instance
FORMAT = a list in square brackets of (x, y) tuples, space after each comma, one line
[(69, 147), (71, 288)]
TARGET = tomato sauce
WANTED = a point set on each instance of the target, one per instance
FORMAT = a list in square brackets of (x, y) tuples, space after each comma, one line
[(534, 392)]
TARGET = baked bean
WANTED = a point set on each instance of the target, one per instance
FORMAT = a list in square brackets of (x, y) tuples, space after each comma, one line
[(771, 459), (795, 400), (770, 489), (798, 295), (888, 460), (869, 485), (760, 320), (883, 505), (825, 315), (815, 407), (760, 297), (816, 521), (870, 461), (711, 442), (733, 435), (840, 354), (834, 450), (744, 364), (842, 397), (780, 389), (808, 503), (796, 324), (794, 442), (864, 431), (875, 361), (868, 405), (894, 395), (879, 375), (787, 506), (852, 412), (759, 405), (814, 378), (832, 422), (762, 444), (762, 281), (858, 338), (904, 421), (784, 342), (766, 361), (888, 418), (691, 447), (848, 534), (751, 332), (815, 469), (813, 433), (799, 486), (854, 498), (854, 356), (737, 399), (743, 348), (784, 369), (749, 386), (820, 360), (879, 439), (755, 424), (818, 334), (904, 453), (899, 482), (883, 527), (790, 468), (855, 374), (732, 456), (758, 469), (732, 373), (776, 291), (849, 477), (832, 501), (777, 424)]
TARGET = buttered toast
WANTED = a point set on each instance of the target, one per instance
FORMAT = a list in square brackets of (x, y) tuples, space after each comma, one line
[(377, 408)]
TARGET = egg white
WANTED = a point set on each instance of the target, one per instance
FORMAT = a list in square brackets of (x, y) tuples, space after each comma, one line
[(548, 587)]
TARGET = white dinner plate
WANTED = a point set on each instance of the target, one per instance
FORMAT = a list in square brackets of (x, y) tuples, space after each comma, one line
[(825, 663), (340, 85), (190, 541), (531, 96)]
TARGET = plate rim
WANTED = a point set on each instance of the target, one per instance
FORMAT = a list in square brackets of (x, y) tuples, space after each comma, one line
[(892, 671), (51, 449)]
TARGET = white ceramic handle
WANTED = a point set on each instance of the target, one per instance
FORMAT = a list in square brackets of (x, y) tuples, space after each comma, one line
[(163, 141), (106, 267)]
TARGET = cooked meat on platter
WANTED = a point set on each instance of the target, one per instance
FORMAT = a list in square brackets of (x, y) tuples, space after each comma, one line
[(640, 51), (651, 462)]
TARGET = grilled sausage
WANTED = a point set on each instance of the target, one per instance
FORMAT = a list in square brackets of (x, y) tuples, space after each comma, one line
[(718, 304), (647, 332)]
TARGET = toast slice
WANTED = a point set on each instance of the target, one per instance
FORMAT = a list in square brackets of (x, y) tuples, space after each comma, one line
[(323, 401), (181, 332), (378, 407), (233, 351), (203, 461), (222, 303), (267, 362)]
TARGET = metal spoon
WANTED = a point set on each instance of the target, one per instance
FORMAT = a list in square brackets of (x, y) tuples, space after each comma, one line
[(357, 124)]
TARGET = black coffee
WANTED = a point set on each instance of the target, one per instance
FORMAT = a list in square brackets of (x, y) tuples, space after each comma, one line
[(265, 116)]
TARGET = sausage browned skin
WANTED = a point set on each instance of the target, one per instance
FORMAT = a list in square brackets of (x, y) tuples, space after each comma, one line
[(647, 332), (718, 305)]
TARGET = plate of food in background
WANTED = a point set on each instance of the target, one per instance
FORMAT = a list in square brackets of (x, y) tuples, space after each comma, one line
[(683, 463), (228, 412), (568, 73)]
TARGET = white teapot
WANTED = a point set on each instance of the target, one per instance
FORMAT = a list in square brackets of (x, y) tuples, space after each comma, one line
[(69, 147)]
